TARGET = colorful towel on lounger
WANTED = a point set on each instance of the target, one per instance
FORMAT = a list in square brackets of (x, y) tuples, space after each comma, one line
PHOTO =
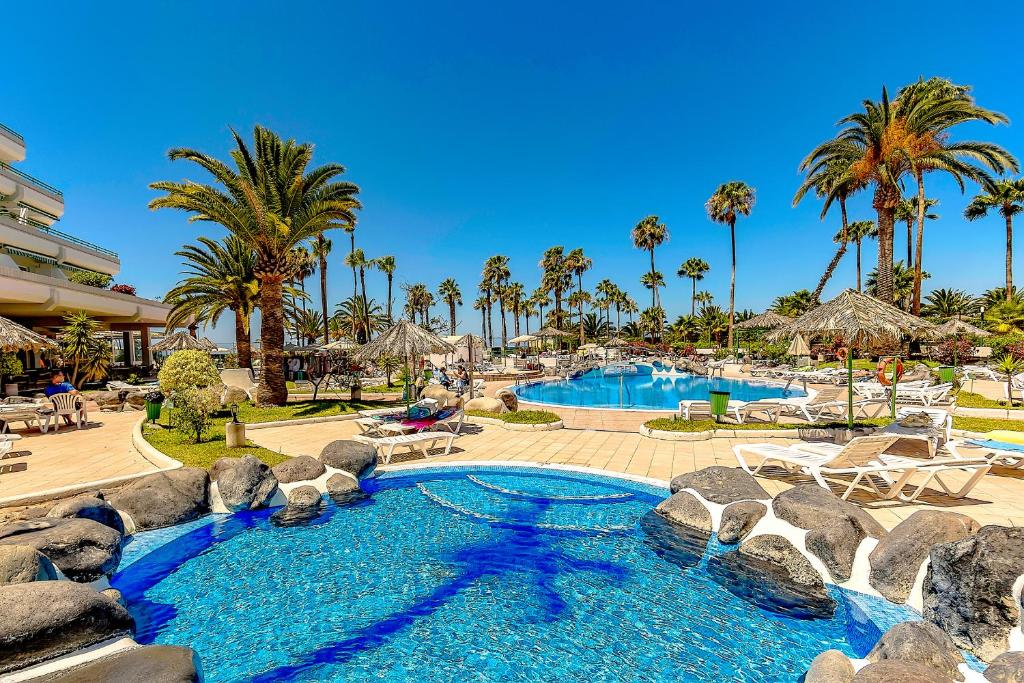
[(997, 445), (422, 423)]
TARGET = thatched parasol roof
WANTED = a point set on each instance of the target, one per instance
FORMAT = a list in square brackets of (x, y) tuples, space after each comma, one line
[(343, 344), (769, 320), (181, 341), (464, 340), (858, 319), (522, 339), (552, 332), (955, 327), (404, 340), (15, 337), (616, 341)]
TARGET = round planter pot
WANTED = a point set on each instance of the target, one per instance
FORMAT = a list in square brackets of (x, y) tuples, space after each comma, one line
[(11, 389)]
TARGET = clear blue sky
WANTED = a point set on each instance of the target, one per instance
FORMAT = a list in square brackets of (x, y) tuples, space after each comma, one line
[(482, 128)]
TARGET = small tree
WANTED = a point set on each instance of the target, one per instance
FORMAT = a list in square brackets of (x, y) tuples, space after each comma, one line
[(188, 369), (193, 410), (10, 365), (88, 356), (389, 365), (1009, 366)]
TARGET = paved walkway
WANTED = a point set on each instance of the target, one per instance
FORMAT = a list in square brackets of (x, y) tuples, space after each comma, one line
[(998, 499), (73, 457)]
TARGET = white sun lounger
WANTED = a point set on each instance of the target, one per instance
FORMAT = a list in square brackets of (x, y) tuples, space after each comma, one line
[(769, 409), (864, 459), (688, 408), (423, 441), (7, 443), (993, 454)]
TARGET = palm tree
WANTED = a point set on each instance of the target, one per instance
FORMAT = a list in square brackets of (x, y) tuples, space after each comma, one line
[(359, 319), (555, 278), (541, 299), (386, 265), (649, 234), (607, 292), (902, 285), (831, 182), (713, 322), (418, 300), (704, 298), (578, 300), (730, 200), (321, 249), (1006, 196), (1006, 317), (906, 211), (629, 306), (945, 304), (997, 295), (450, 293), (351, 230), (652, 320), (358, 261), (794, 305), (528, 309), (695, 269), (306, 325), (577, 263), (514, 297), (305, 264), (594, 326), (856, 232), (653, 281), (482, 304), (219, 276), (495, 275), (273, 202)]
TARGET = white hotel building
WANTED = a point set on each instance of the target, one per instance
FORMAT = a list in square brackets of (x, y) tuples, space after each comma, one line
[(36, 258)]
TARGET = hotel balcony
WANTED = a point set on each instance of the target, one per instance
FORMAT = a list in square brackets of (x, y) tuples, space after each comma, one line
[(12, 145), (55, 246), (29, 198)]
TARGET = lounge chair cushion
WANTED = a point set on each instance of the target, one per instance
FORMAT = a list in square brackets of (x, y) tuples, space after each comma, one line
[(1005, 436), (997, 445)]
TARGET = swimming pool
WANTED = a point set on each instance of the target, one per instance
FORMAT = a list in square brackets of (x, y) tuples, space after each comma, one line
[(482, 573), (644, 390)]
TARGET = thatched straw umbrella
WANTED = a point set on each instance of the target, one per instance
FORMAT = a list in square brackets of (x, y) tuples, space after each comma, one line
[(15, 337), (471, 341), (769, 320), (182, 341), (551, 333), (404, 340), (343, 344), (860, 320)]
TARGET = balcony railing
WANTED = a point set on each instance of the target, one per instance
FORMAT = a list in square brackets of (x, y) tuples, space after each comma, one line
[(12, 134), (15, 174), (81, 242)]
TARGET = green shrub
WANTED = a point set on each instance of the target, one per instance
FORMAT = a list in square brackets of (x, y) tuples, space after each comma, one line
[(188, 369), (10, 365), (88, 277), (522, 417), (193, 410)]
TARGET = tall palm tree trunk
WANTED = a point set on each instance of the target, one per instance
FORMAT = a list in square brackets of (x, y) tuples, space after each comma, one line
[(654, 286), (884, 203), (451, 315), (323, 295), (916, 306), (618, 319), (483, 322), (273, 391), (843, 245), (504, 324), (858, 266), (910, 242), (390, 319), (732, 281), (352, 252), (1009, 258), (693, 297), (366, 304), (243, 347)]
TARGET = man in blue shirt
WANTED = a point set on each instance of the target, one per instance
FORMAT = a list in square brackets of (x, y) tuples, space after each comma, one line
[(59, 385)]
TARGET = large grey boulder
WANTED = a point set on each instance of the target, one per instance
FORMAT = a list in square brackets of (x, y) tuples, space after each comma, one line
[(339, 484), (165, 498), (738, 519), (46, 619), (721, 485), (88, 507), (1006, 668), (81, 548), (443, 396), (968, 590), (233, 395), (684, 509), (358, 459), (486, 404), (836, 546), (509, 398), (897, 559), (136, 400), (22, 563), (147, 664), (304, 497), (302, 468), (778, 551), (811, 507), (108, 400), (831, 666), (896, 671), (244, 483), (919, 643)]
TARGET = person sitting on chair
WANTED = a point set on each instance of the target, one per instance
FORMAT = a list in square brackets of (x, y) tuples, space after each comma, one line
[(59, 385)]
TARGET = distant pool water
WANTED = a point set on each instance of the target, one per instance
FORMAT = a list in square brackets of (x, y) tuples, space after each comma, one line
[(643, 390), (472, 574)]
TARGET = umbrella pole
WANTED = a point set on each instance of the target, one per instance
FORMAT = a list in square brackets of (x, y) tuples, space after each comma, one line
[(849, 386)]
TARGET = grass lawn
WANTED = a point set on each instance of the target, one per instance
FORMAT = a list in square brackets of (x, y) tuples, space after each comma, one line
[(985, 424), (180, 447), (868, 364), (966, 399), (520, 417), (667, 424)]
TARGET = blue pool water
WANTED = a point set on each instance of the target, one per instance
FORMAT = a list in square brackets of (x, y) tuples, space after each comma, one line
[(472, 574), (645, 391)]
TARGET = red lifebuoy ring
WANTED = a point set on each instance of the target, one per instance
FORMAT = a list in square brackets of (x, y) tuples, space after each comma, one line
[(883, 364), (842, 354)]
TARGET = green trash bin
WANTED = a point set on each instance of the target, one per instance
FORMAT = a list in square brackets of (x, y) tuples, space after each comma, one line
[(719, 403), (945, 373), (152, 411)]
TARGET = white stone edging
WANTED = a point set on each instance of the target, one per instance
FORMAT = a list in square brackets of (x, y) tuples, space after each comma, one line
[(666, 435)]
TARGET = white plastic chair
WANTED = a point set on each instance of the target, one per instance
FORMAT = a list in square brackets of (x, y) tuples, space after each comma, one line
[(69, 405)]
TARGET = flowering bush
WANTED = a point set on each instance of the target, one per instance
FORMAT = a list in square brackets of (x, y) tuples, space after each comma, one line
[(193, 410), (964, 351), (188, 369), (123, 289)]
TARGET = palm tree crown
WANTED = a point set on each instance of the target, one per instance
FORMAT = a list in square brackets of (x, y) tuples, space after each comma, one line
[(1007, 197), (729, 201)]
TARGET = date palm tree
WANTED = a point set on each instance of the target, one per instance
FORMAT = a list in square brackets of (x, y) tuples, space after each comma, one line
[(528, 307), (496, 273), (652, 320), (306, 325), (321, 249), (273, 202), (482, 304), (1007, 197), (649, 234), (220, 276), (832, 183), (541, 298), (903, 285), (704, 298), (357, 260), (450, 293), (386, 265), (695, 269), (577, 263), (555, 278), (515, 300), (351, 230), (358, 319), (794, 305), (730, 200), (652, 281), (944, 304)]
